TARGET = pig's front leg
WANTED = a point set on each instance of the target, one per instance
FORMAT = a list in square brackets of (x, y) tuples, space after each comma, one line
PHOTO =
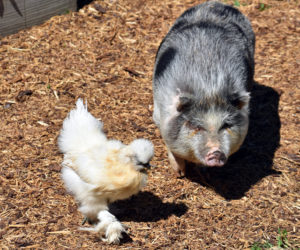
[(177, 163)]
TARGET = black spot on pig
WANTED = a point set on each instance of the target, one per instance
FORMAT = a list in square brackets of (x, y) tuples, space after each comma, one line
[(164, 61), (250, 72), (179, 25)]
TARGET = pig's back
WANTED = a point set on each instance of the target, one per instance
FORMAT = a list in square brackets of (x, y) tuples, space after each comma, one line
[(208, 46), (217, 13)]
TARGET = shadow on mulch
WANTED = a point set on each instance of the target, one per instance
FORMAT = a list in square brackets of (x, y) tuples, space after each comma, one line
[(254, 160), (82, 3), (146, 207)]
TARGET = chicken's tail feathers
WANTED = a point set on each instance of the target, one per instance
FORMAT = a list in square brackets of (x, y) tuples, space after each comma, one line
[(81, 130)]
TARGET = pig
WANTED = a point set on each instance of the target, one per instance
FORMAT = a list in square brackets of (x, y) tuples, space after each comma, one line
[(202, 80)]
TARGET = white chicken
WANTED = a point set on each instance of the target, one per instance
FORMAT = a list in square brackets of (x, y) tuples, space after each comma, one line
[(98, 171)]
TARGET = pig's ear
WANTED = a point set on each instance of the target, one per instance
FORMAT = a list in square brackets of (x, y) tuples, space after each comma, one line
[(184, 102), (240, 101)]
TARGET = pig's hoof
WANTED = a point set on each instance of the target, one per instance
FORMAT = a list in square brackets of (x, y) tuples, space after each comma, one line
[(178, 164), (179, 169), (180, 173)]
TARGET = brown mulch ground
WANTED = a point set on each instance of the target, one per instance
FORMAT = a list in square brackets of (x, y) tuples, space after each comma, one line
[(105, 53)]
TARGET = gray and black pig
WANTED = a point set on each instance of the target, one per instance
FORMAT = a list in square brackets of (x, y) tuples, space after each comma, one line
[(201, 85)]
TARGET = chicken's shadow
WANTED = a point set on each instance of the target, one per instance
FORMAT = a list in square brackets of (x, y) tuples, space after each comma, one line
[(146, 207), (254, 160)]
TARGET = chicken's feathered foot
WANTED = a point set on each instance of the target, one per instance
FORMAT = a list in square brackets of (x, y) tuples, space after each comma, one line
[(86, 219), (109, 225)]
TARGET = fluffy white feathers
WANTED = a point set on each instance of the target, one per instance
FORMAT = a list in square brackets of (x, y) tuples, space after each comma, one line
[(80, 131), (98, 171), (143, 150)]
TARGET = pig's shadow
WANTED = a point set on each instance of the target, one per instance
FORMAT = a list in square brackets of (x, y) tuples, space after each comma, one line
[(255, 158), (146, 207)]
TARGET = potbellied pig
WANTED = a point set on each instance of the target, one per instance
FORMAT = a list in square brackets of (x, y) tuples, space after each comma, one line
[(201, 85)]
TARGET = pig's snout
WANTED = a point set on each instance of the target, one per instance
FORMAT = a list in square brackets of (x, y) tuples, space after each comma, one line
[(215, 158)]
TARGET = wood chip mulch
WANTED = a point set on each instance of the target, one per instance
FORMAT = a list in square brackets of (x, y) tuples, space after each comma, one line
[(105, 54)]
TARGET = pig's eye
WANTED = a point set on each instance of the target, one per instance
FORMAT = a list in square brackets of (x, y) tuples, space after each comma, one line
[(199, 128), (194, 126), (225, 126)]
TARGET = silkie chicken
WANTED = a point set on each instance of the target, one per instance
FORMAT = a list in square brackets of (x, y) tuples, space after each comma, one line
[(98, 171)]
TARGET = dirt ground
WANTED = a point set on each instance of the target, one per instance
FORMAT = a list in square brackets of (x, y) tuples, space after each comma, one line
[(105, 54)]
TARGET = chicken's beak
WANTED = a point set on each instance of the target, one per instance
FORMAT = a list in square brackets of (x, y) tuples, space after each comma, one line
[(146, 165)]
